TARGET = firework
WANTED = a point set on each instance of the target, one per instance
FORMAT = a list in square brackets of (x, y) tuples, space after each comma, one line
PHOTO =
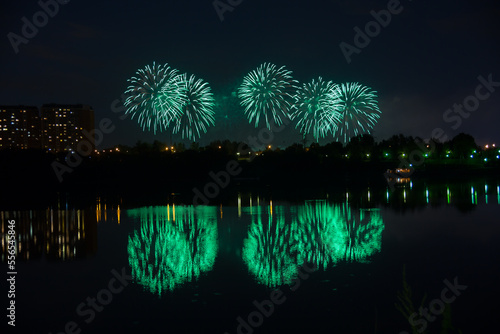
[(154, 96), (267, 92), (196, 110), (314, 114), (357, 109)]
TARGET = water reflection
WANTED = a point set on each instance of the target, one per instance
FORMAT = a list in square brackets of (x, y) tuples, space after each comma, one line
[(465, 195), (269, 250), (107, 212), (52, 233), (344, 234), (317, 232), (174, 244)]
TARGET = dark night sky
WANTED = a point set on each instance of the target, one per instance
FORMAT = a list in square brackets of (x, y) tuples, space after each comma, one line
[(424, 61)]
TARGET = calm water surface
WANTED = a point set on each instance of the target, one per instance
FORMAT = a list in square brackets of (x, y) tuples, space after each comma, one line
[(332, 264)]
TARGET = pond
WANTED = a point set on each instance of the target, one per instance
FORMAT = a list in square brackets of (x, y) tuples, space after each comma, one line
[(341, 262)]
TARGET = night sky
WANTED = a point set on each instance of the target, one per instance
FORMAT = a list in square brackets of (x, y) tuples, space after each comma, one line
[(428, 58)]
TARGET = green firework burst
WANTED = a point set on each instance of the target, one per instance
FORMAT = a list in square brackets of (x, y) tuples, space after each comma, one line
[(196, 111), (154, 96), (267, 92), (357, 109), (312, 112)]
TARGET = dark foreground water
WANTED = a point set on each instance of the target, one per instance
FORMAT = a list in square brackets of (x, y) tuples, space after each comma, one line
[(330, 264)]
